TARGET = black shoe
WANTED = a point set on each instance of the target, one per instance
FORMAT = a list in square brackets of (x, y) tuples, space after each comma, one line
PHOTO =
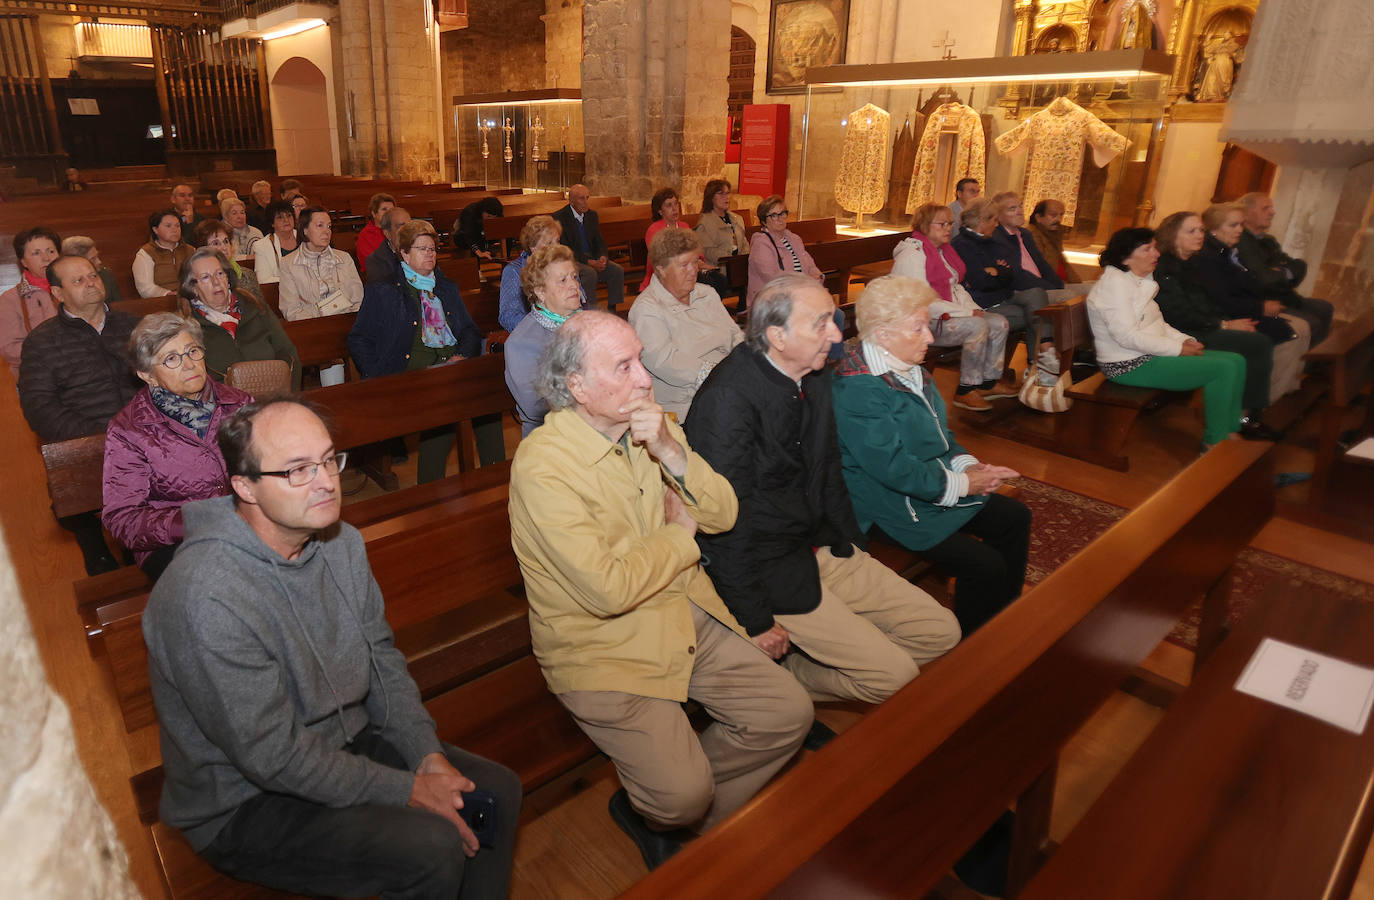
[(819, 735), (1252, 430), (99, 565), (655, 846)]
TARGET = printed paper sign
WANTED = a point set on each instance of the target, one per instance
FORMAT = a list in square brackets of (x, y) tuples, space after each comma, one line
[(1312, 683)]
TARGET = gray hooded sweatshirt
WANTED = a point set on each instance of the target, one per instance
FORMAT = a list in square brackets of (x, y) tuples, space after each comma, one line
[(264, 669)]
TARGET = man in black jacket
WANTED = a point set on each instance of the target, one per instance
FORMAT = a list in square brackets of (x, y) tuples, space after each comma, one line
[(1278, 273), (582, 235), (793, 569), (76, 375), (383, 264)]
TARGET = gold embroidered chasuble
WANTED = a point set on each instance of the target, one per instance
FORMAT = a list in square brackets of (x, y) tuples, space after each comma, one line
[(861, 182), (970, 152), (1056, 136)]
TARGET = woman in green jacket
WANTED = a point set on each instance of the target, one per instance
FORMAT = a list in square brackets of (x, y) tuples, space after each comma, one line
[(237, 326), (905, 471)]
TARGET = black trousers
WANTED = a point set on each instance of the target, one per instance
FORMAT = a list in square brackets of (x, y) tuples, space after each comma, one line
[(398, 852), (987, 558)]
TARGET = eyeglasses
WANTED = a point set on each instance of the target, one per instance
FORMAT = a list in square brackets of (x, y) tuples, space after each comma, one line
[(210, 277), (946, 222), (300, 476), (781, 212), (173, 360)]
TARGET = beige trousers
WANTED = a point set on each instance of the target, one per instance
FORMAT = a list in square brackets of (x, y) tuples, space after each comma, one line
[(1288, 362), (677, 778), (870, 634)]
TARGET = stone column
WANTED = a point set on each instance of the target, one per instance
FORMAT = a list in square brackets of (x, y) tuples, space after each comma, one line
[(1305, 100), (654, 89), (55, 838), (389, 78)]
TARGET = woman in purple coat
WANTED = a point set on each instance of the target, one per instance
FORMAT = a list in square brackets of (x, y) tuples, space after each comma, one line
[(160, 450)]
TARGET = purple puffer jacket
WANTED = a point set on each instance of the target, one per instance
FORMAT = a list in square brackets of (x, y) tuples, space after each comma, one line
[(153, 465)]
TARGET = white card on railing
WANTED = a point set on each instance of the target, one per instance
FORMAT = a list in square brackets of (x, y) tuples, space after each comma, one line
[(1313, 683)]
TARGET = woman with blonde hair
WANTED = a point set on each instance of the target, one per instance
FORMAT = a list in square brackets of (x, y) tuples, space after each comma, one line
[(906, 473)]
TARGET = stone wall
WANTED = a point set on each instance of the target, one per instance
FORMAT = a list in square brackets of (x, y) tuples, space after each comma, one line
[(502, 49), (55, 838), (654, 88), (563, 43), (1346, 275)]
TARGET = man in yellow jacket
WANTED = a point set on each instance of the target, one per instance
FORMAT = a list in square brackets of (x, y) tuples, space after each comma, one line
[(605, 501)]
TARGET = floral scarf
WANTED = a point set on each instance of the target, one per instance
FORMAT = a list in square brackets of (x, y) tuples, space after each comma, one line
[(193, 413)]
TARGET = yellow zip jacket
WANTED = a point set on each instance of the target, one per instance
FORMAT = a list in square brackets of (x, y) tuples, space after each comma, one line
[(608, 580)]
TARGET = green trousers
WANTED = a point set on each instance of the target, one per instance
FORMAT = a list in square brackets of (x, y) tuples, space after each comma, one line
[(1220, 374), (1258, 351)]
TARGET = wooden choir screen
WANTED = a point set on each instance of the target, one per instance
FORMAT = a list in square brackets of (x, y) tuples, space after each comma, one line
[(30, 122), (211, 89)]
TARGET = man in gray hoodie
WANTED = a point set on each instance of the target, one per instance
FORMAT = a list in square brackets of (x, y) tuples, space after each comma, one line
[(297, 752)]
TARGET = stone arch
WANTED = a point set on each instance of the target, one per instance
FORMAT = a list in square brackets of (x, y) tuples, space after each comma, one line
[(300, 118), (1059, 38)]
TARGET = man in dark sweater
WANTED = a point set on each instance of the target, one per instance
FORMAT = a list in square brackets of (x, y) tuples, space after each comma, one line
[(297, 751), (793, 570), (582, 235), (1278, 273), (76, 375), (77, 372)]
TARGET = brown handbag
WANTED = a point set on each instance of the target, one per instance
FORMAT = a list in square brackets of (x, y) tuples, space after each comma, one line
[(260, 377)]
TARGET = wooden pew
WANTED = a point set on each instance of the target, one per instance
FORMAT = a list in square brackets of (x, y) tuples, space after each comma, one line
[(1346, 358), (1095, 429), (1232, 796), (886, 808), (319, 342)]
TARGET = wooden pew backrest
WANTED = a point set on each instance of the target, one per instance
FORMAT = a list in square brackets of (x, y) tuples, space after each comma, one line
[(75, 471)]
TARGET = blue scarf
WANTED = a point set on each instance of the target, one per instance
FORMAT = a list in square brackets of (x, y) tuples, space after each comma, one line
[(416, 280), (193, 413)]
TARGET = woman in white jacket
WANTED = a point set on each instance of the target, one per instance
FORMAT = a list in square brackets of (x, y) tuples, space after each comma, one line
[(1136, 346), (956, 319)]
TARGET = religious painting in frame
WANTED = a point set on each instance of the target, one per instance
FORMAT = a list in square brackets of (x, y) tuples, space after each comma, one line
[(802, 34)]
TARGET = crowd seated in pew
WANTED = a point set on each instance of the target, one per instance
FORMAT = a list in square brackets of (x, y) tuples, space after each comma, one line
[(858, 248)]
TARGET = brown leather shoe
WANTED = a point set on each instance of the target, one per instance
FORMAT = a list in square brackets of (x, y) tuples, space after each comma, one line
[(972, 401)]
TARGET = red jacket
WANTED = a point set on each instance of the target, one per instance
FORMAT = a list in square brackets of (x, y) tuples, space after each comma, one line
[(369, 239)]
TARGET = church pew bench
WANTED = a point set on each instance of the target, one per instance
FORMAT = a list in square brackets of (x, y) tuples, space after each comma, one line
[(1096, 427), (1230, 795), (321, 341), (1346, 358), (984, 726)]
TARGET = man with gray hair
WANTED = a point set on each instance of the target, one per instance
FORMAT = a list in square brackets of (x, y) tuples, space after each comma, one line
[(1278, 273), (76, 376), (793, 569), (582, 235), (605, 498), (261, 192), (384, 263)]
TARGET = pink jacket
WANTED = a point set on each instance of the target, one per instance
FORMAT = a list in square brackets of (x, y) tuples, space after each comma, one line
[(22, 308), (154, 464), (768, 259)]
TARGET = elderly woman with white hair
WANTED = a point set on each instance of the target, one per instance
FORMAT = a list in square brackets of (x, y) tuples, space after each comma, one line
[(234, 213), (906, 473), (683, 325), (160, 450)]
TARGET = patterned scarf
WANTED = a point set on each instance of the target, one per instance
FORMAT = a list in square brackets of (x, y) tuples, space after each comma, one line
[(194, 413), (228, 320)]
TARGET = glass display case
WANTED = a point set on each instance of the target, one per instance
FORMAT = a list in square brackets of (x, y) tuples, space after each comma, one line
[(1081, 128), (524, 139)]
